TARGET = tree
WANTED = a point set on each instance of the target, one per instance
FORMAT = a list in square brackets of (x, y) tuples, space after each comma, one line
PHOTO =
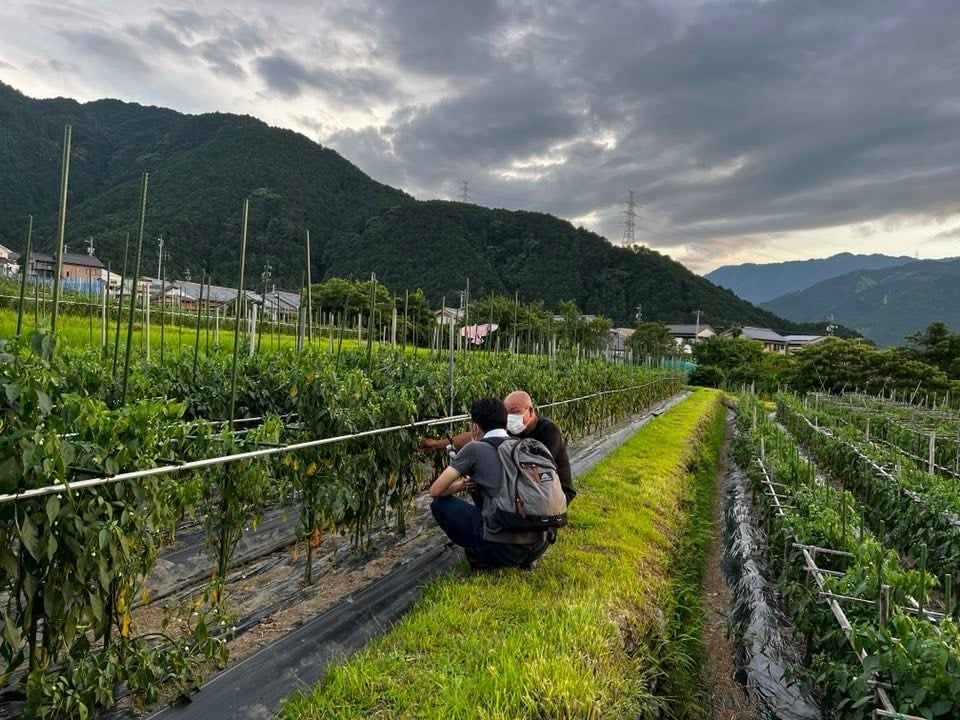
[(652, 338), (937, 346)]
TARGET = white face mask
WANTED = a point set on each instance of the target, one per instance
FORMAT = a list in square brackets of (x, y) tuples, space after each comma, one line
[(515, 424)]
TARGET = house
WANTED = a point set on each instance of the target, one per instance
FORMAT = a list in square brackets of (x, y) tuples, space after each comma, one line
[(76, 268), (618, 338), (772, 341), (797, 342), (9, 267), (687, 335), (448, 316)]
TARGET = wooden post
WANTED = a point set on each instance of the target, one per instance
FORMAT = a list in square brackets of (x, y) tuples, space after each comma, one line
[(884, 605), (236, 322), (61, 227), (25, 270), (144, 180), (196, 341), (103, 312), (146, 322), (309, 294)]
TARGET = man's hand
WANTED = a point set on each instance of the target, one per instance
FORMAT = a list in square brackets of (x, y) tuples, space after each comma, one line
[(429, 444)]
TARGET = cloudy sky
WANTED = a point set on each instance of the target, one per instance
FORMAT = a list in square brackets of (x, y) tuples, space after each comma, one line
[(749, 130)]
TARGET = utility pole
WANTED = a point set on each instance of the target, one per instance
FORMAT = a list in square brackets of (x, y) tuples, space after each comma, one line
[(160, 259), (696, 334), (629, 222), (639, 314), (90, 250), (465, 191)]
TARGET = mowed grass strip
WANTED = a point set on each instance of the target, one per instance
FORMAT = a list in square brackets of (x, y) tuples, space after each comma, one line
[(583, 635)]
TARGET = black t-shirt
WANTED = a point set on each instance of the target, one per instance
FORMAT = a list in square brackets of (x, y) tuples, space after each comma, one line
[(547, 432)]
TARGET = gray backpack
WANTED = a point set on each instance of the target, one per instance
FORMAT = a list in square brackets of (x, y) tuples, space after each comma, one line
[(530, 496)]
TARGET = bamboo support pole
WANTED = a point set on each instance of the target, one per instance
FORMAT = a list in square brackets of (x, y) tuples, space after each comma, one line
[(144, 180), (61, 229), (236, 322), (24, 271)]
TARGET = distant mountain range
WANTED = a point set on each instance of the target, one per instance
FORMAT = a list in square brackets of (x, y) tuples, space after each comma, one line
[(202, 167), (762, 283), (884, 305)]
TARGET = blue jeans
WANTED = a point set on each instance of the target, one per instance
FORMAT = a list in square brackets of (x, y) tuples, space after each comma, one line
[(463, 524)]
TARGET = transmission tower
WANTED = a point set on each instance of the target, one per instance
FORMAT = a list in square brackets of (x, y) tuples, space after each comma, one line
[(465, 191), (629, 222)]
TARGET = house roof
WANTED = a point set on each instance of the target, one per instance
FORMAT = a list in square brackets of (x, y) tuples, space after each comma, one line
[(763, 334), (623, 332), (796, 339), (690, 330), (68, 259)]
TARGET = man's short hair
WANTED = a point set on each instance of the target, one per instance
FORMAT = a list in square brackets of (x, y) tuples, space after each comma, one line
[(489, 413)]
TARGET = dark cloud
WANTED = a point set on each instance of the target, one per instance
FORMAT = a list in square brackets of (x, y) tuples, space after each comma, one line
[(57, 66), (946, 235), (727, 118), (110, 48), (289, 77)]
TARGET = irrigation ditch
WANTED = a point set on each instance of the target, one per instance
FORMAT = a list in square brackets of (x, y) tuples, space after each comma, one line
[(283, 633), (765, 643)]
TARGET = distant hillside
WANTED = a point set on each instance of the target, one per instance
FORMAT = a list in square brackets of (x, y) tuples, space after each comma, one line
[(761, 283), (884, 305), (201, 167)]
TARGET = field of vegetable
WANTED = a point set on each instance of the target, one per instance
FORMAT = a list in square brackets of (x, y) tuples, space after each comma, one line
[(99, 469), (867, 567), (607, 626)]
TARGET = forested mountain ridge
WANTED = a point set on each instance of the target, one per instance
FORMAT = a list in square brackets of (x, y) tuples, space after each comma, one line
[(202, 166), (884, 305), (763, 283)]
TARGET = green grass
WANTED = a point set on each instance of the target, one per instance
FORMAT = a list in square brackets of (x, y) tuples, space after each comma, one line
[(75, 331), (595, 631)]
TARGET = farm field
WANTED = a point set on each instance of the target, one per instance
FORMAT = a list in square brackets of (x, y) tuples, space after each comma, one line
[(864, 547), (158, 456), (579, 637)]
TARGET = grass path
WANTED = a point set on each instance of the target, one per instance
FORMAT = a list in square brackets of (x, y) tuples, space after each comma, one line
[(606, 626)]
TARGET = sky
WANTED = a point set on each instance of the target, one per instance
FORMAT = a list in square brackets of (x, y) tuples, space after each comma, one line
[(748, 130)]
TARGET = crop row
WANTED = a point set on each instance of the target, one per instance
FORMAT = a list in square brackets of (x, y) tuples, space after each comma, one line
[(934, 446), (916, 507), (918, 660), (941, 418), (73, 564)]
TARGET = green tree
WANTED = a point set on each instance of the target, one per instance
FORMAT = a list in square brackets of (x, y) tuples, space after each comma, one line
[(937, 346), (652, 338)]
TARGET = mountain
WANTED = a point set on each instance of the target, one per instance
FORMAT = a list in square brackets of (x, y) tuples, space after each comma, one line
[(762, 283), (202, 166), (884, 305)]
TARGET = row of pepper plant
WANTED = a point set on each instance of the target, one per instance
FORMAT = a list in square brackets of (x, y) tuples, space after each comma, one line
[(74, 564), (916, 506), (917, 659), (892, 425)]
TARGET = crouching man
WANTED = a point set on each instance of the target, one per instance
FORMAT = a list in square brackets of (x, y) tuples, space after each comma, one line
[(478, 467)]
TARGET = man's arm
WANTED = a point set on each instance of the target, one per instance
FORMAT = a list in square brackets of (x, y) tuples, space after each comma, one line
[(459, 440), (557, 448), (449, 482)]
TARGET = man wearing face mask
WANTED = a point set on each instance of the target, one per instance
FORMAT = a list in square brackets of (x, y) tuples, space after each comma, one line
[(486, 543), (522, 421)]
